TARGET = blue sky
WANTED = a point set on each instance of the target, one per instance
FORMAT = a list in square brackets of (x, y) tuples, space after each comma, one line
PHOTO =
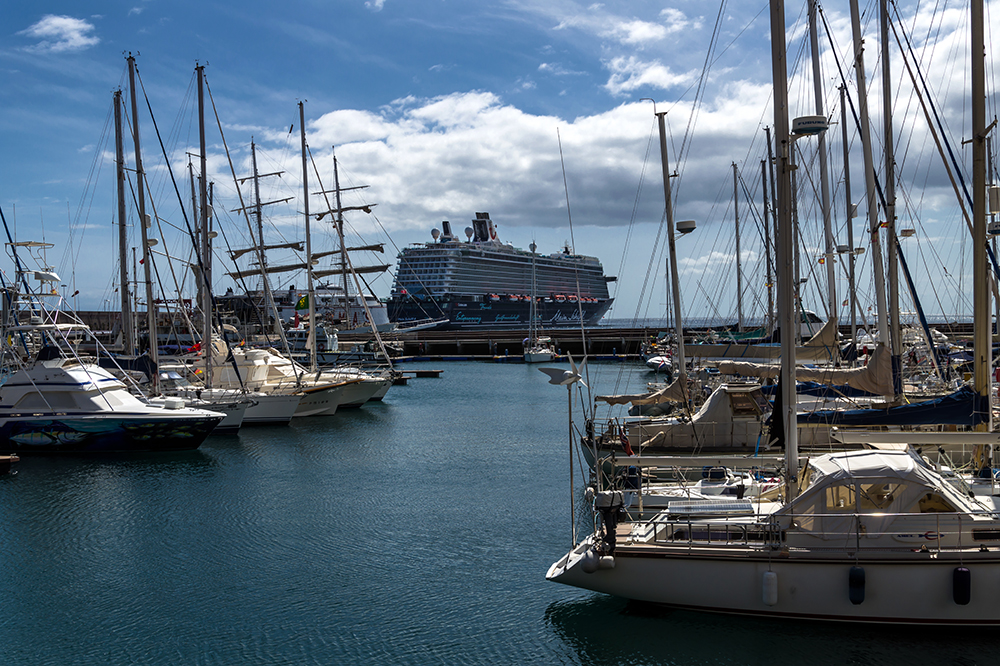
[(446, 108)]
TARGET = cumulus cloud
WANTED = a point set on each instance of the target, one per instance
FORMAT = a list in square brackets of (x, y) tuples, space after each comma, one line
[(629, 74), (59, 34), (677, 21), (637, 33)]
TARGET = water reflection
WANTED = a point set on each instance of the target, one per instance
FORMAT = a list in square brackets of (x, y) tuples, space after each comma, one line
[(607, 630)]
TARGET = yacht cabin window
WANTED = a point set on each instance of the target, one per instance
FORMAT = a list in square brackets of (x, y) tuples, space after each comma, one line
[(53, 399)]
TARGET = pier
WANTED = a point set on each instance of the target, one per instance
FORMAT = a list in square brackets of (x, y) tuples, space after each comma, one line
[(597, 342), (609, 343)]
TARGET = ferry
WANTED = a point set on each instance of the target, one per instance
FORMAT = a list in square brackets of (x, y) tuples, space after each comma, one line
[(484, 284)]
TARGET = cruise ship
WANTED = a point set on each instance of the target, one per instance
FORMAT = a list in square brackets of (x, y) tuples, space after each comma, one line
[(482, 283)]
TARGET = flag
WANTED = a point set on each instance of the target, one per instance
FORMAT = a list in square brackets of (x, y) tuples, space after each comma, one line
[(623, 437), (303, 303)]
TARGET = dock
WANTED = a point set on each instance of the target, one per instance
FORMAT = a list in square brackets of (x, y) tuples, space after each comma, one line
[(508, 346)]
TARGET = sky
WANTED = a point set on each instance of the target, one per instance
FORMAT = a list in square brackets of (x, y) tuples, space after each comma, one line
[(540, 113)]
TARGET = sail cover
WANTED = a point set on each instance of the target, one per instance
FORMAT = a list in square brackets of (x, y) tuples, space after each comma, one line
[(826, 336), (671, 393), (875, 377), (963, 407)]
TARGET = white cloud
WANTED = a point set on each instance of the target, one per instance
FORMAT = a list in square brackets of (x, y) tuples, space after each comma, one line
[(557, 70), (375, 5), (135, 10), (676, 20), (636, 33), (58, 34), (629, 74)]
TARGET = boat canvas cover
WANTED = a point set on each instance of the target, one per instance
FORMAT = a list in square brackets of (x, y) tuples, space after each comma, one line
[(671, 393), (963, 407), (875, 377), (826, 336), (849, 475)]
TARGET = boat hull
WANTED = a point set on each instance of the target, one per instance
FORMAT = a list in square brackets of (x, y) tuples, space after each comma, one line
[(473, 313), (28, 434), (908, 588), (271, 409)]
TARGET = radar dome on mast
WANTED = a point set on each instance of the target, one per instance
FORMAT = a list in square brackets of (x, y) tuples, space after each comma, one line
[(435, 234), (468, 233)]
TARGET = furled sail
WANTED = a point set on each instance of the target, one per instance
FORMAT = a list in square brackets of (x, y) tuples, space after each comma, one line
[(236, 254), (380, 268), (270, 269), (671, 393), (875, 377)]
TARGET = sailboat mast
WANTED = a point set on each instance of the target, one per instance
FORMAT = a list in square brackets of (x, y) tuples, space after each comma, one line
[(895, 333), (870, 193), (531, 304), (993, 219), (767, 248), (309, 273), (206, 271), (783, 216), (739, 268), (346, 283), (140, 176), (261, 256), (672, 247), (982, 352), (128, 345), (774, 211), (824, 177), (851, 257)]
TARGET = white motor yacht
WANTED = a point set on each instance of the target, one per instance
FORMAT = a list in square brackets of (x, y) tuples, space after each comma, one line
[(63, 405)]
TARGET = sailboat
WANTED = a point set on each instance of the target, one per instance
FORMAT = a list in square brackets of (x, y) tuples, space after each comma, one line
[(537, 348), (875, 536)]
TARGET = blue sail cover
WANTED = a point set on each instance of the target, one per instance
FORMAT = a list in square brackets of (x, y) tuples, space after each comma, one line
[(964, 407), (822, 390)]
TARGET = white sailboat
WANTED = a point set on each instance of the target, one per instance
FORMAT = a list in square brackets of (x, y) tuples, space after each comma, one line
[(875, 536), (537, 348)]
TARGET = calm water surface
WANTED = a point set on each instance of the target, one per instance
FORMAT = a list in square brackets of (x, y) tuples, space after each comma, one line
[(416, 531)]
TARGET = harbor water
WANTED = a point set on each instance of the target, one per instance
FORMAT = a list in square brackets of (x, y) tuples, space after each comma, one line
[(416, 531)]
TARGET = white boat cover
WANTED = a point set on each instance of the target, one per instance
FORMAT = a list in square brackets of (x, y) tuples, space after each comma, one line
[(878, 484), (826, 336), (875, 377), (671, 393)]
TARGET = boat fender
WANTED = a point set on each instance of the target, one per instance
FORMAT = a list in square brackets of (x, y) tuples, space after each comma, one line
[(856, 585), (770, 588), (589, 562), (962, 582), (606, 562)]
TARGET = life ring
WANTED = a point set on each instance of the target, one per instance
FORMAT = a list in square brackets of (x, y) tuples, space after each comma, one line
[(321, 346)]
